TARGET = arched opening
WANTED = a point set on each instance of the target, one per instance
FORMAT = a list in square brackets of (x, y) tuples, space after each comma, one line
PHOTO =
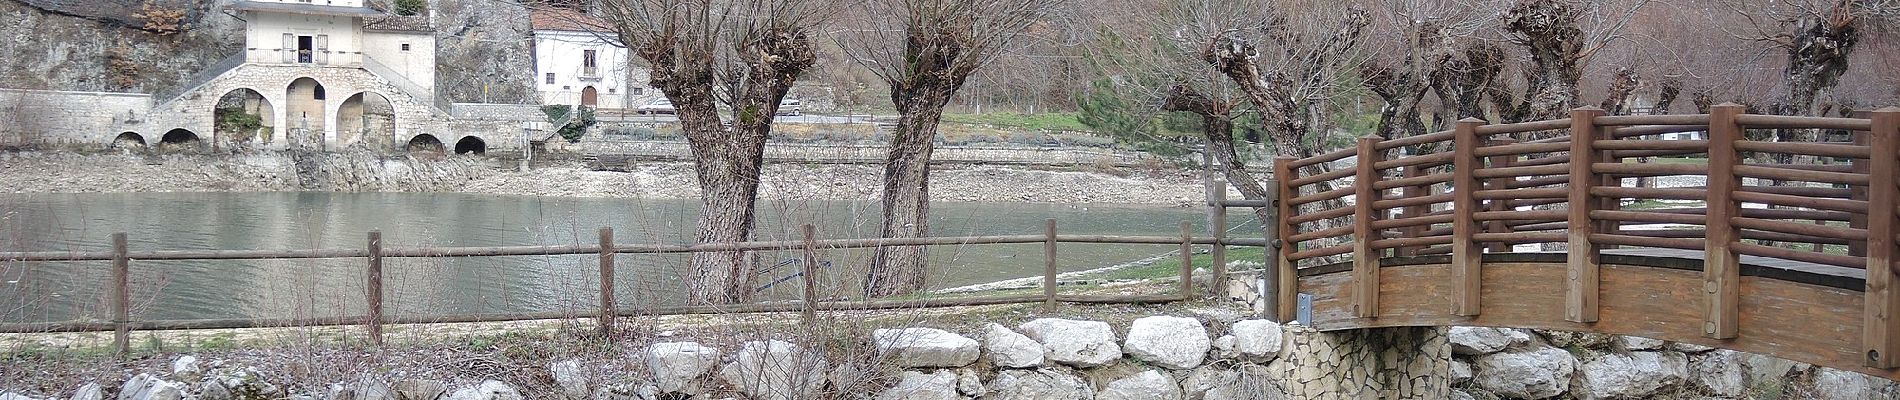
[(128, 140), (304, 111), (243, 116), (471, 144), (367, 118), (179, 139), (590, 97), (424, 143)]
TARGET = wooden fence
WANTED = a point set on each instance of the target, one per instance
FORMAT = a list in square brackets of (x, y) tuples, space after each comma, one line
[(373, 254), (1473, 189)]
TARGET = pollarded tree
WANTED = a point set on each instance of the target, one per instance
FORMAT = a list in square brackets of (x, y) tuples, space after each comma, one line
[(744, 55), (924, 50)]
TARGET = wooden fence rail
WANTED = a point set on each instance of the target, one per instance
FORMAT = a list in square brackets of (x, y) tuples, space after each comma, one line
[(1562, 182), (606, 250)]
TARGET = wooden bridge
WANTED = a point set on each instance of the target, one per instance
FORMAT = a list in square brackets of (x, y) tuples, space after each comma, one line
[(1790, 259)]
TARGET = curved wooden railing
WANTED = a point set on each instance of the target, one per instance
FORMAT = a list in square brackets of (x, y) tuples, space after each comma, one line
[(1568, 182)]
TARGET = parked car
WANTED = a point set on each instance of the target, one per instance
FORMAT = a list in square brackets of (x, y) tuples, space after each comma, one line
[(790, 107), (661, 107)]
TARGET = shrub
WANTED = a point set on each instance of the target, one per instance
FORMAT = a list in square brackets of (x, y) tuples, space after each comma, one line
[(410, 7), (161, 17)]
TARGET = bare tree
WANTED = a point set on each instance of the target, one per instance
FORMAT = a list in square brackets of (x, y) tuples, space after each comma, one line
[(925, 50), (1561, 36), (744, 54), (1422, 37)]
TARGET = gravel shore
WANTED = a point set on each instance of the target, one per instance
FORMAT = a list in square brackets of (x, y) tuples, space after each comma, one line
[(268, 172)]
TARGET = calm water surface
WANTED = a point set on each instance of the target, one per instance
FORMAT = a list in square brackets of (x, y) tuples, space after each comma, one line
[(319, 288)]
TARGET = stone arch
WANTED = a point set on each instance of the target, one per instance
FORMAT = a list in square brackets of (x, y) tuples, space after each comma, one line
[(424, 142), (129, 140), (243, 115), (471, 145), (366, 117), (180, 138), (304, 110)]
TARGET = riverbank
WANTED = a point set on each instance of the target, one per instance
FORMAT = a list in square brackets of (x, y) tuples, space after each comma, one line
[(366, 172)]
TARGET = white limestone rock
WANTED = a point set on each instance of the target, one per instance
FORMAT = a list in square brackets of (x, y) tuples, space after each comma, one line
[(1718, 373), (678, 366), (1472, 340), (1169, 342), (568, 377), (1038, 384), (1224, 346), (914, 385), (926, 347), (970, 384), (1689, 347), (187, 368), (89, 391), (776, 370), (1568, 339), (420, 389), (1460, 371), (1634, 343), (1529, 374), (238, 382), (1635, 375), (1009, 349), (1148, 385), (1832, 383), (1208, 382), (15, 396), (487, 390), (1075, 343), (148, 387), (1257, 340)]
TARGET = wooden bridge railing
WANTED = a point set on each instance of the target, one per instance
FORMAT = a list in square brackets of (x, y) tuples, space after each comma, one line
[(373, 254), (1474, 189)]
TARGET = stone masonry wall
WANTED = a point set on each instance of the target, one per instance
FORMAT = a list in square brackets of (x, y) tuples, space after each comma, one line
[(46, 116)]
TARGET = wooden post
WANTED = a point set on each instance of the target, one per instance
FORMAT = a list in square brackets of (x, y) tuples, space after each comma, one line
[(1498, 226), (1412, 192), (810, 274), (1187, 261), (605, 324), (121, 297), (1270, 273), (1582, 267), (1881, 334), (1218, 228), (374, 289), (1365, 260), (1287, 274), (1049, 265), (1466, 258), (1721, 272)]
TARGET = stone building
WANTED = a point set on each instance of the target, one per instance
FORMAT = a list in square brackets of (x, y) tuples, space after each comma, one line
[(578, 61)]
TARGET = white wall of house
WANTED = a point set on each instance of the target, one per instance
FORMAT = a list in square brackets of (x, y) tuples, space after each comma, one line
[(342, 3), (411, 54), (563, 54), (272, 38)]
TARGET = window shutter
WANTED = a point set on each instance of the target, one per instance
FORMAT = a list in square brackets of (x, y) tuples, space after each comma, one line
[(290, 48), (323, 49)]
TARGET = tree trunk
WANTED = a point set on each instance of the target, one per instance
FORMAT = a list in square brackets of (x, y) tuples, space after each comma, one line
[(906, 205)]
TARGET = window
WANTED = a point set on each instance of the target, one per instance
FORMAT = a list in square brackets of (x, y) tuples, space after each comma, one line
[(639, 91), (550, 78), (587, 63), (610, 90), (405, 47)]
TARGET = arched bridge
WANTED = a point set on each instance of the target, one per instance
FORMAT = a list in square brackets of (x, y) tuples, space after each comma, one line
[(1692, 228)]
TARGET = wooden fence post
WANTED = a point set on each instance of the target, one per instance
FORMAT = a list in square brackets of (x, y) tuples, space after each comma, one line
[(1582, 268), (374, 289), (1270, 273), (1187, 261), (121, 297), (1412, 192), (1218, 227), (608, 309), (1881, 334), (810, 273), (1721, 272), (1498, 226), (1049, 265), (1466, 258), (1365, 259), (1286, 273)]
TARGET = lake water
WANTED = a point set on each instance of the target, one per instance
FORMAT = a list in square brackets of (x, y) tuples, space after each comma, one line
[(31, 292)]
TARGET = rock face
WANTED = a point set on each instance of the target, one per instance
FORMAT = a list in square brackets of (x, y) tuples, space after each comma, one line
[(1038, 384), (98, 46), (1634, 375), (1171, 342), (1009, 349), (1257, 340), (147, 387), (487, 390), (482, 55), (1469, 340), (1075, 343), (1533, 374), (776, 370), (941, 385), (678, 366), (1148, 385), (926, 347)]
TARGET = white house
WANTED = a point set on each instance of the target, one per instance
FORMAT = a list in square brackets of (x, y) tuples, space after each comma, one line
[(578, 61)]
